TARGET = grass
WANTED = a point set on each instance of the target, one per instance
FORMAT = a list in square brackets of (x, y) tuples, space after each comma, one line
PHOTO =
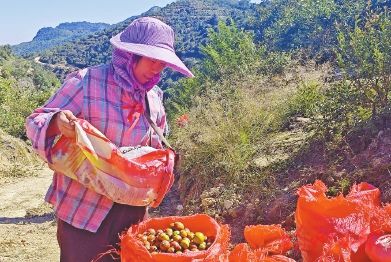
[(237, 137), (16, 158)]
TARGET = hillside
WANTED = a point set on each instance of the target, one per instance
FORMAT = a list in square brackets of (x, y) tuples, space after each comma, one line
[(190, 21), (49, 37), (302, 94)]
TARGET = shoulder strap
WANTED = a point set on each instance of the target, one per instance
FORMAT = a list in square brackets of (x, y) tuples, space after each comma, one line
[(153, 125)]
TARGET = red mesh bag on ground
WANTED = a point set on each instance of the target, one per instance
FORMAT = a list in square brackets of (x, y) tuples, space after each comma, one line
[(133, 250), (336, 229), (266, 243)]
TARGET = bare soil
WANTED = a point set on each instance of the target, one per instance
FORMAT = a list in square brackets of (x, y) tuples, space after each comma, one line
[(27, 224)]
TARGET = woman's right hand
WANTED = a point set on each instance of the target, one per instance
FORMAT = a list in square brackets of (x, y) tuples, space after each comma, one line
[(65, 123)]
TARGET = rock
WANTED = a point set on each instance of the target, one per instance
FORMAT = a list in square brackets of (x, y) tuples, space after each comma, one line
[(228, 204)]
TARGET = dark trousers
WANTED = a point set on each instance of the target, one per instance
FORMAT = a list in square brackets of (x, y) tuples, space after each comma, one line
[(78, 245)]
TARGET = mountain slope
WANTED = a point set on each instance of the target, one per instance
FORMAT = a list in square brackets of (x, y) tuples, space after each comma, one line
[(49, 37), (189, 19)]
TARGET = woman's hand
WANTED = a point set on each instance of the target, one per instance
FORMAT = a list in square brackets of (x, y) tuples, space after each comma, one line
[(65, 123)]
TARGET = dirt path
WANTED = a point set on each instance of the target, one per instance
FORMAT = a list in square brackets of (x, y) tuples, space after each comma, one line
[(27, 225)]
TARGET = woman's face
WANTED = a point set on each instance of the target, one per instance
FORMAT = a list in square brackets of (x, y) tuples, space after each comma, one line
[(146, 68)]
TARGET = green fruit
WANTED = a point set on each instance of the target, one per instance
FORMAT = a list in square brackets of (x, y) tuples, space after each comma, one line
[(202, 246)]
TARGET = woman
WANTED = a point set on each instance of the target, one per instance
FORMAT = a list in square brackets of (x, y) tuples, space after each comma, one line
[(113, 98)]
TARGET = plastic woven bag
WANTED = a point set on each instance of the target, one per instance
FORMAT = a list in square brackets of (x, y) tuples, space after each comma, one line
[(133, 250), (141, 178)]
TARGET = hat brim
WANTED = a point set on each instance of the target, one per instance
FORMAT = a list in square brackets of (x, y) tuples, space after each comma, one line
[(154, 52)]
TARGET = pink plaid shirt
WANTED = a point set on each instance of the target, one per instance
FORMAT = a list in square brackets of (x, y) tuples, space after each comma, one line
[(91, 94)]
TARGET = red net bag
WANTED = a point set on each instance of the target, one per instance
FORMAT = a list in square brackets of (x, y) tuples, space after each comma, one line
[(336, 229), (132, 249), (266, 243)]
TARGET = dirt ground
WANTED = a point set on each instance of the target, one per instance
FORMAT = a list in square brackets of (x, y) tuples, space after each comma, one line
[(27, 224)]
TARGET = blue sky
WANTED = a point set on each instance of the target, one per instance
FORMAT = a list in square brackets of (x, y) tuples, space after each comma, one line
[(20, 20)]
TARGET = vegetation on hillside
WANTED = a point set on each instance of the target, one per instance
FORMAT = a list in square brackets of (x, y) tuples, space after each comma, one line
[(241, 129), (24, 86)]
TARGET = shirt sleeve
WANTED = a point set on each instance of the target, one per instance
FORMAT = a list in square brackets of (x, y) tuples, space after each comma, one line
[(68, 97)]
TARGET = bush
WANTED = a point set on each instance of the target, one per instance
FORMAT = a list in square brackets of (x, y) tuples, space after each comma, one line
[(304, 102), (364, 54), (16, 105), (24, 86)]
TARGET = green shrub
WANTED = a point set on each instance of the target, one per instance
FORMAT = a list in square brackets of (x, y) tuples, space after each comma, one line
[(16, 105), (304, 102), (24, 86), (364, 54)]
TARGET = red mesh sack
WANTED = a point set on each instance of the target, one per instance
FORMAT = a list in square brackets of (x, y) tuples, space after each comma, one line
[(266, 243), (378, 247), (133, 250), (335, 229)]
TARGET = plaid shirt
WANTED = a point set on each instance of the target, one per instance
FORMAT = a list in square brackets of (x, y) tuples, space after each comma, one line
[(91, 94)]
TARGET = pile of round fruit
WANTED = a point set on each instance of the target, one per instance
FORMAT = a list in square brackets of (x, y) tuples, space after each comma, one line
[(174, 239)]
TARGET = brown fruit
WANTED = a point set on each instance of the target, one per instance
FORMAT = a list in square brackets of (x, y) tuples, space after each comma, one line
[(179, 225), (176, 245), (164, 245)]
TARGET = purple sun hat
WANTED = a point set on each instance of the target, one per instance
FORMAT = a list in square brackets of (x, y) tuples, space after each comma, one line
[(150, 37)]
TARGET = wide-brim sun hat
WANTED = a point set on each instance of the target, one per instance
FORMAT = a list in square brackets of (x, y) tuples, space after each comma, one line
[(150, 37)]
